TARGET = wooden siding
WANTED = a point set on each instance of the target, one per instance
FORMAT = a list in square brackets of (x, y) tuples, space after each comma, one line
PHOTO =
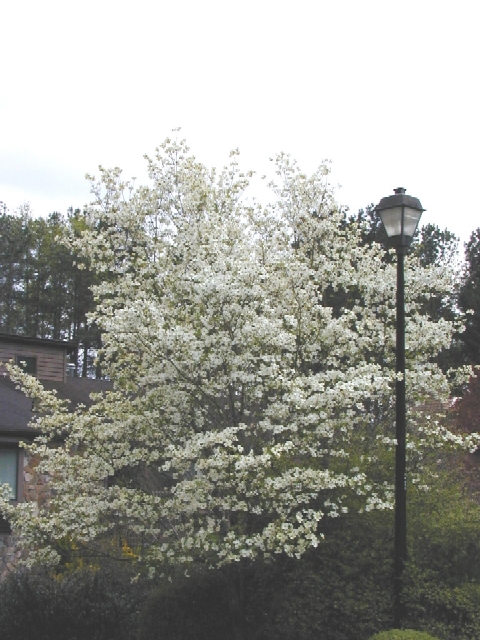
[(51, 361)]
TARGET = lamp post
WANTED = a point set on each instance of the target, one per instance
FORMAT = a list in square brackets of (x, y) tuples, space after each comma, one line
[(400, 215)]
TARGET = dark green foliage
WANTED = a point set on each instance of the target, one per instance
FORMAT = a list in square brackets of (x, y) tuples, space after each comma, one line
[(451, 612), (188, 608), (12, 266), (403, 634), (434, 246), (469, 297), (80, 605), (443, 576), (43, 291), (343, 585)]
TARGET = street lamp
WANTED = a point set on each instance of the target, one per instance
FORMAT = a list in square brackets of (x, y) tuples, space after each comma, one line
[(400, 215)]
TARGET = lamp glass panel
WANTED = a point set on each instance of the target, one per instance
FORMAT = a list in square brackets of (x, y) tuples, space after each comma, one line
[(8, 469), (410, 221), (392, 221)]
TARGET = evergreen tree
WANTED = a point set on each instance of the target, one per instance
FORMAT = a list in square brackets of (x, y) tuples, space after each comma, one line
[(469, 297), (11, 273), (45, 286)]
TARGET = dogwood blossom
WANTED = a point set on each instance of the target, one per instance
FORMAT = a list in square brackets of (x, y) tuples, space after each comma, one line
[(252, 355)]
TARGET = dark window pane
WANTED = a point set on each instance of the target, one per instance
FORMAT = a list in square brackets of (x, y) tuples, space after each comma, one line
[(27, 363)]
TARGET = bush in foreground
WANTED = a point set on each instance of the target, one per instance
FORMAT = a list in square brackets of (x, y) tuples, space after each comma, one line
[(442, 582), (84, 604), (339, 591), (403, 634)]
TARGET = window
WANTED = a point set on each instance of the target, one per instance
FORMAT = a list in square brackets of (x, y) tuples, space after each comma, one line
[(9, 469), (11, 473), (27, 363)]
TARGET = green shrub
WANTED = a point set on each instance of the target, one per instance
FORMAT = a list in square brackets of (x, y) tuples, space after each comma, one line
[(452, 612), (79, 605), (339, 591), (442, 580), (403, 634), (188, 608)]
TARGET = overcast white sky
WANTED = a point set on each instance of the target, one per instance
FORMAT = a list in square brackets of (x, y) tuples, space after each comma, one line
[(389, 91)]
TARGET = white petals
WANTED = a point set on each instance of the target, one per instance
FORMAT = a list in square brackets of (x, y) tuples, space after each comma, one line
[(253, 355)]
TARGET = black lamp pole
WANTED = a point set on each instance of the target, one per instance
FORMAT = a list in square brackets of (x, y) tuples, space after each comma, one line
[(400, 449), (400, 215)]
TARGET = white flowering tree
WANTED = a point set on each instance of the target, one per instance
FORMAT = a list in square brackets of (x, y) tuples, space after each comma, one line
[(251, 351)]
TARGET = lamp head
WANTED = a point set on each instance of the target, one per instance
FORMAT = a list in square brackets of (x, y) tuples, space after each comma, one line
[(400, 215)]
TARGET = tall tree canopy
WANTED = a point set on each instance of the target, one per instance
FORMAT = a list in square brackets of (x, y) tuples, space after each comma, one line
[(469, 297), (45, 287), (246, 408)]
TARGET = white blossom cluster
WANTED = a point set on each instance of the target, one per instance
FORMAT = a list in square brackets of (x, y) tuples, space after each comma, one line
[(252, 352)]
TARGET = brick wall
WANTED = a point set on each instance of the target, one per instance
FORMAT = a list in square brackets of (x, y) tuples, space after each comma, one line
[(9, 555), (35, 489)]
